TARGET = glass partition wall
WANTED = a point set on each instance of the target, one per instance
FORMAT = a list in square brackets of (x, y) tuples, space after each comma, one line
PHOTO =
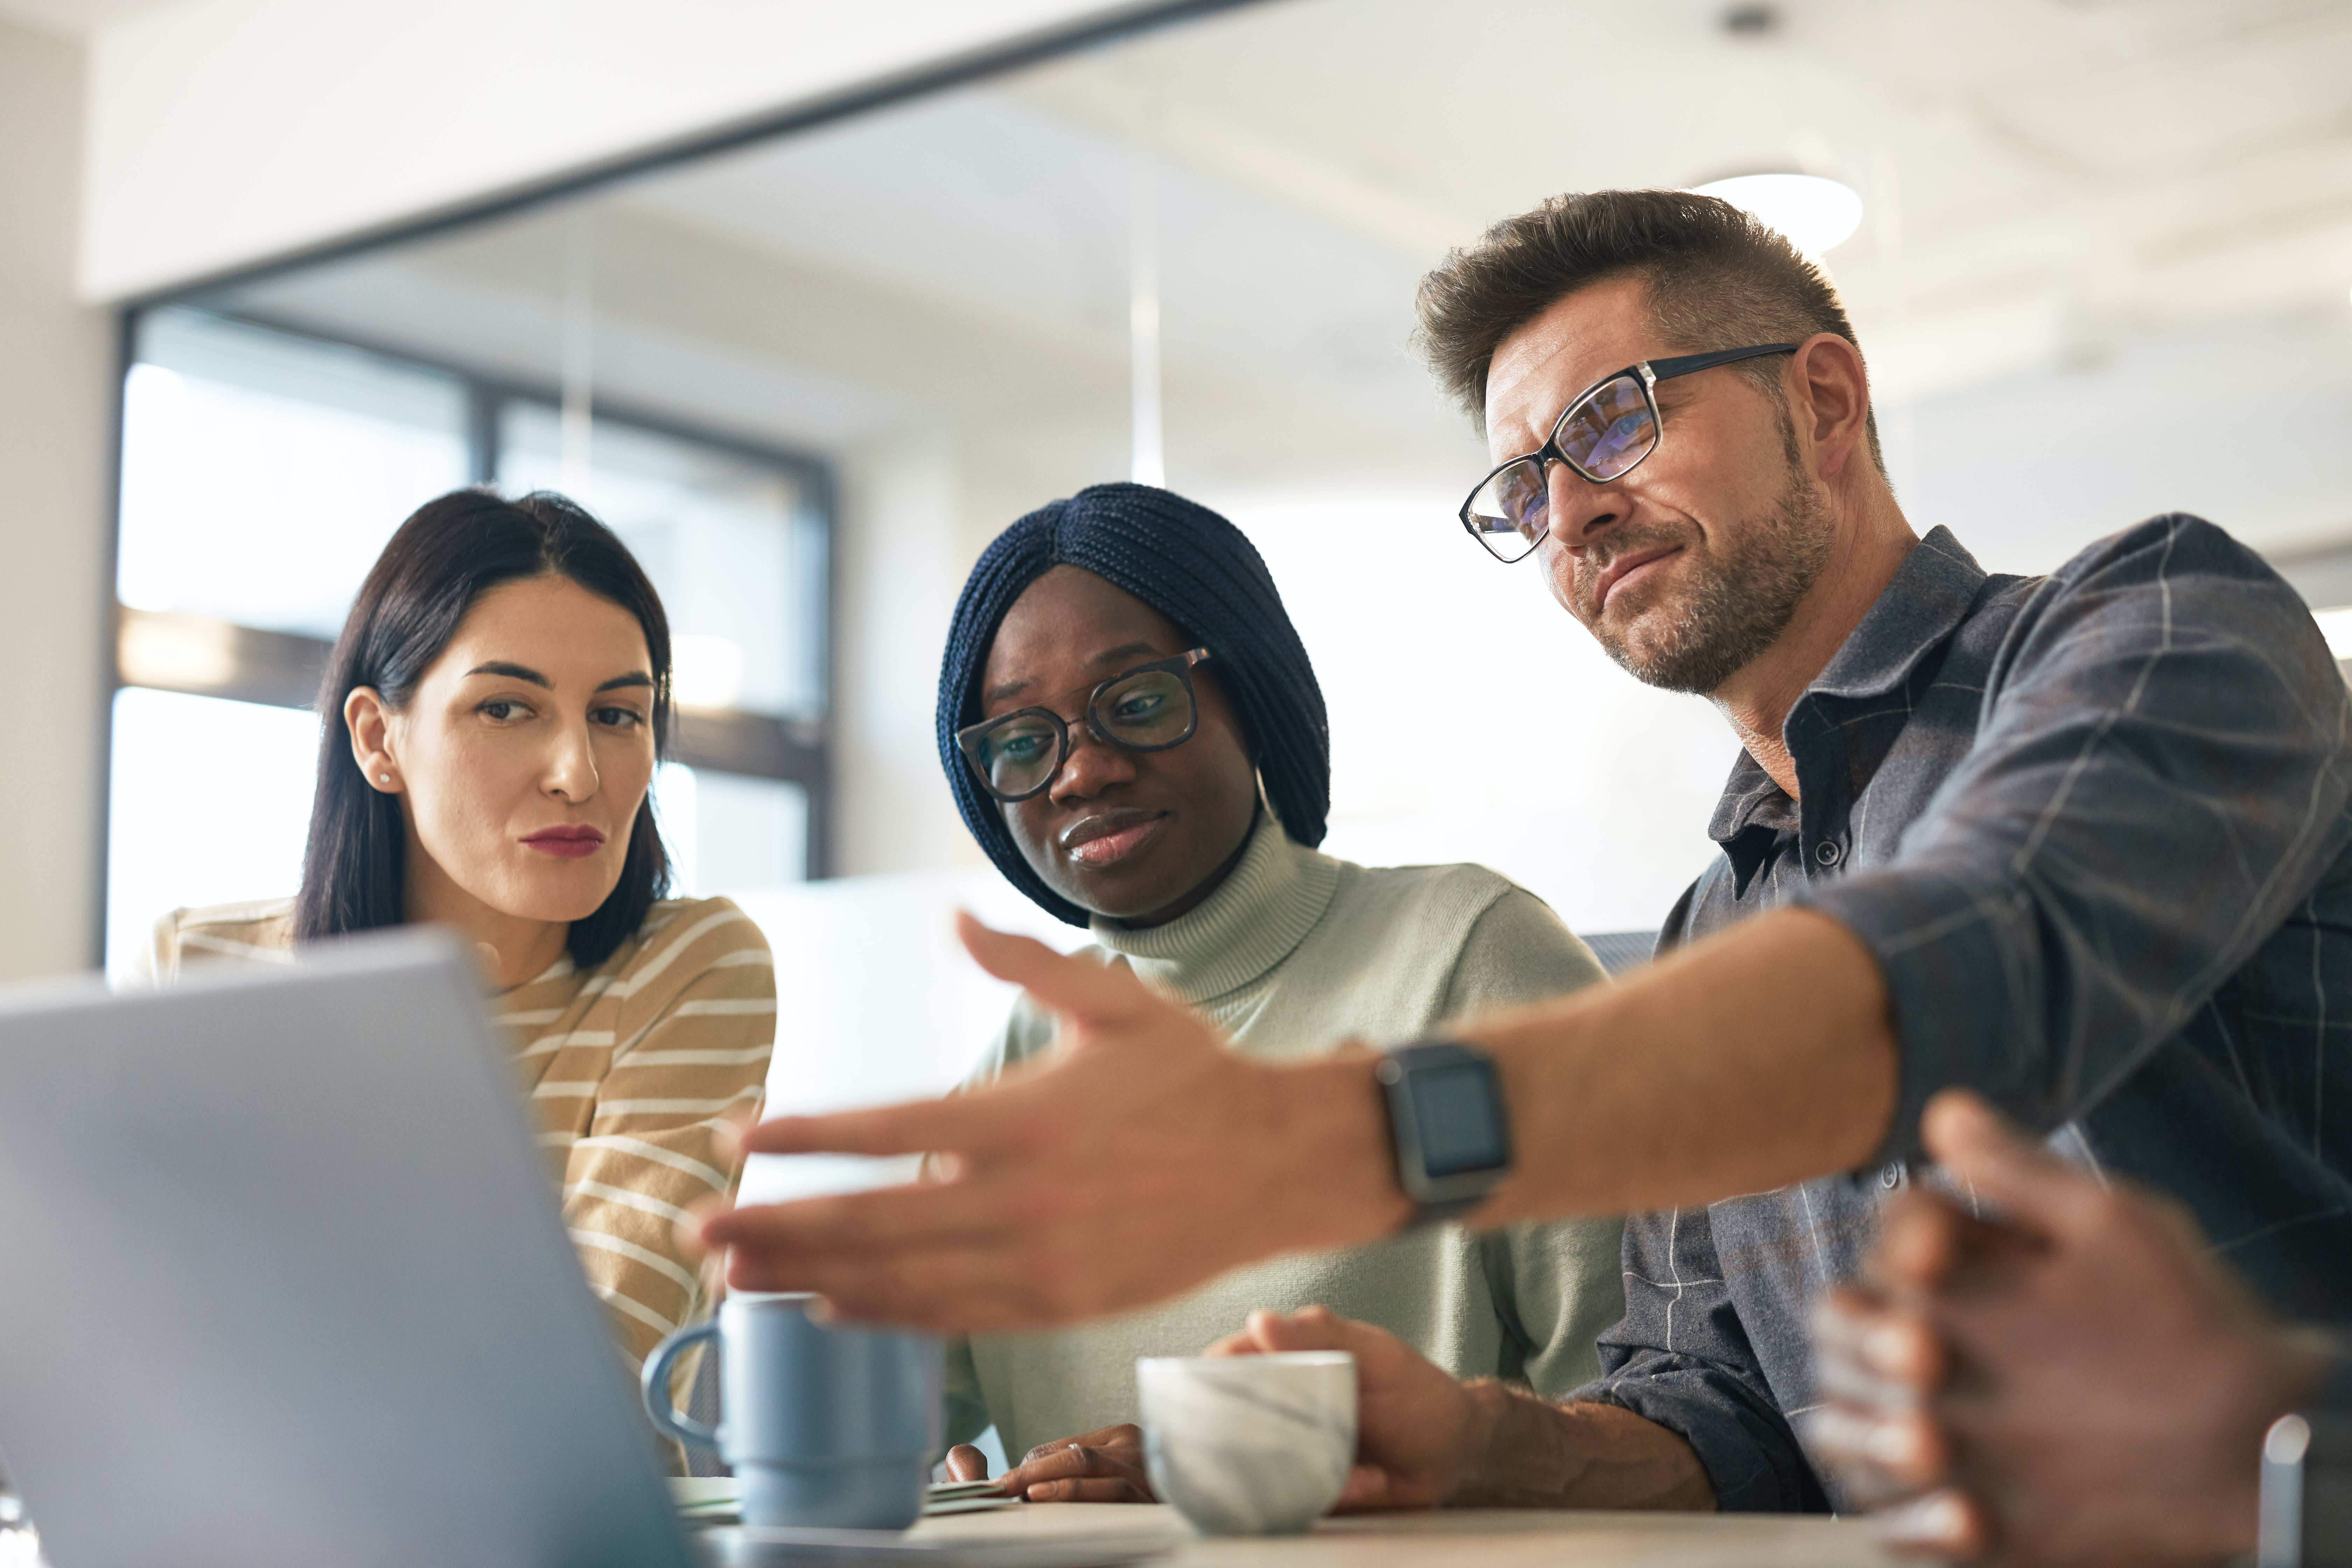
[(810, 376)]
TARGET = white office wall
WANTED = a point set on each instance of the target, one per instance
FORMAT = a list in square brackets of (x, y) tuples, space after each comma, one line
[(56, 392), (222, 132)]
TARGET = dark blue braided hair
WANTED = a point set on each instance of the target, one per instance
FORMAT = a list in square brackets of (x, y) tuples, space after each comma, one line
[(1198, 571)]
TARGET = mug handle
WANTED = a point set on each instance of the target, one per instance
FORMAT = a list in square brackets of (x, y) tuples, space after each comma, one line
[(654, 1382)]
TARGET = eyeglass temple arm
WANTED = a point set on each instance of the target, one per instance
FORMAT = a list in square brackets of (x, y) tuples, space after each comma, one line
[(1686, 364)]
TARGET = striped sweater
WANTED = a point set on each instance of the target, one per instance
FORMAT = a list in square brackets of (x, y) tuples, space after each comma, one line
[(628, 1070)]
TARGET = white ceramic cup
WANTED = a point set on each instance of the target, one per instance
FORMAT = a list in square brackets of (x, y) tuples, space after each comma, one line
[(1250, 1445)]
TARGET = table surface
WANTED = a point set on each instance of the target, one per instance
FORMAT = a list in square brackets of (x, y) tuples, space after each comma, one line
[(1467, 1538)]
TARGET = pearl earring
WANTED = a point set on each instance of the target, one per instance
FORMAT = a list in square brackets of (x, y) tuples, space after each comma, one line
[(384, 777)]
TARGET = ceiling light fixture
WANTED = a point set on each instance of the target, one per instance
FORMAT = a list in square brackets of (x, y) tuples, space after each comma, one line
[(1814, 213)]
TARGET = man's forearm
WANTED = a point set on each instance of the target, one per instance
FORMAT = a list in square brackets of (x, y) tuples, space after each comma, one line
[(1147, 1156), (1759, 1058), (1533, 1454)]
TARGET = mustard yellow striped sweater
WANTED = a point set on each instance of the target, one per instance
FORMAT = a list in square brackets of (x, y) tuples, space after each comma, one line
[(628, 1070)]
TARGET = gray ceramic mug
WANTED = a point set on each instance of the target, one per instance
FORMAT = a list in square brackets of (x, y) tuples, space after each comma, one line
[(830, 1426)]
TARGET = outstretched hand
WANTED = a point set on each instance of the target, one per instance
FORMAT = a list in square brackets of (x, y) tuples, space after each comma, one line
[(2075, 1382), (1140, 1158)]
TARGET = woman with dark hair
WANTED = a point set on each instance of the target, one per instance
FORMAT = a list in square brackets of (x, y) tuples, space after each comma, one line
[(1135, 735), (502, 686)]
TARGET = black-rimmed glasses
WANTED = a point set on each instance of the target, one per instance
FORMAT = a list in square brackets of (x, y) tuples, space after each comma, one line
[(1146, 709), (1602, 434)]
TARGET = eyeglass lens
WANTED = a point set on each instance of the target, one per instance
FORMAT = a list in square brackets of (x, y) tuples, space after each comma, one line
[(1144, 713), (1606, 432)]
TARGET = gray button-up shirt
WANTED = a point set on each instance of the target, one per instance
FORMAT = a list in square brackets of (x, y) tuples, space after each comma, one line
[(2095, 828)]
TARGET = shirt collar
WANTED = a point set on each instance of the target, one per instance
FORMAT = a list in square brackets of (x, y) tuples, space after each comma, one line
[(1931, 594), (1255, 920)]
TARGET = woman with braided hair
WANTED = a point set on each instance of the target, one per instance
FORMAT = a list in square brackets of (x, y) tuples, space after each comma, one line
[(1135, 735)]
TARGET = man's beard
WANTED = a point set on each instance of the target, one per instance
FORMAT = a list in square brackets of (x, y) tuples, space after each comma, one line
[(1737, 601)]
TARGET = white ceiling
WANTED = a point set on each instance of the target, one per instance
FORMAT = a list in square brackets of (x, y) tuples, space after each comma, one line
[(2104, 273), (77, 18), (2124, 201)]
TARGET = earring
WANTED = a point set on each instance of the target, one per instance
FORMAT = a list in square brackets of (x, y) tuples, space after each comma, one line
[(384, 777)]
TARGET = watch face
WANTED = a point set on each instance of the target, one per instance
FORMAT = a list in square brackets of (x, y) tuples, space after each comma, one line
[(1459, 1123)]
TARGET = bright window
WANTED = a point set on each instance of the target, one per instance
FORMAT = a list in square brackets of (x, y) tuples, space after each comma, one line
[(209, 802), (737, 554), (262, 472)]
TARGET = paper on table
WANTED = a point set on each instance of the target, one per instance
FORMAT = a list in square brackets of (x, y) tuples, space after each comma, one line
[(711, 1499)]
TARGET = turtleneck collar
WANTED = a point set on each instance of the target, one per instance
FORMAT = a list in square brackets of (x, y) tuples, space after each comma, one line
[(1253, 921)]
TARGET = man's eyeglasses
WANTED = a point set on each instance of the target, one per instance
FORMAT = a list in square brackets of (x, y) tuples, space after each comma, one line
[(1604, 433), (1146, 709)]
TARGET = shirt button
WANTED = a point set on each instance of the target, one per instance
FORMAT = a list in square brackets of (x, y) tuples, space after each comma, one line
[(1827, 852), (1891, 1177)]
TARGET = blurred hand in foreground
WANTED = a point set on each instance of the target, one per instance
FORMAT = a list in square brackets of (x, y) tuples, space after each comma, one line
[(1105, 1466), (2076, 1381), (1140, 1159)]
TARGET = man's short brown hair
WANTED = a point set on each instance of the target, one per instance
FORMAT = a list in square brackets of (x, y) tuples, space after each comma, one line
[(1716, 280)]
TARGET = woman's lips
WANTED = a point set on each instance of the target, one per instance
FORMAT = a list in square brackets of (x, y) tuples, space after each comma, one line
[(1100, 843), (566, 843)]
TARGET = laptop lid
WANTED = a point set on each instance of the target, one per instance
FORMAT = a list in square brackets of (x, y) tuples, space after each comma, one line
[(283, 1281)]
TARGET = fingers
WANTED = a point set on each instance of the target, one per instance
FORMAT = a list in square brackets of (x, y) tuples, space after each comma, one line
[(1124, 1441), (1879, 1455), (846, 1227), (966, 1463), (1102, 1467), (2007, 1169), (1919, 1243), (727, 1134), (917, 1127), (1368, 1490), (1309, 1329), (993, 1287), (688, 1230), (1268, 1332), (1876, 1366), (1948, 1524), (1095, 1490), (1872, 1351), (1075, 988)]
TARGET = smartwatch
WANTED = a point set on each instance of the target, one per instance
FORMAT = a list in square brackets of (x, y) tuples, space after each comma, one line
[(2306, 1492), (1452, 1141)]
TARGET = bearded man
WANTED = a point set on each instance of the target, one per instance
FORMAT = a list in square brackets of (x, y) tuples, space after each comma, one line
[(2079, 843)]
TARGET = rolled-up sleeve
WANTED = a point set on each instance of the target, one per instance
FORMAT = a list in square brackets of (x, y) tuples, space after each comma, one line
[(1682, 1359), (2158, 780)]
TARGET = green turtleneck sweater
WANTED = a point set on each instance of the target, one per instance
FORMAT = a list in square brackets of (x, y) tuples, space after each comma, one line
[(1293, 953)]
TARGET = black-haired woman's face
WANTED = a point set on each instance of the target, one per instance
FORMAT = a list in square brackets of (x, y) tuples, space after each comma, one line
[(522, 756), (1137, 836)]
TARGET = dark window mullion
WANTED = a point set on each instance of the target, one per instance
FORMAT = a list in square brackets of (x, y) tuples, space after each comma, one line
[(483, 406)]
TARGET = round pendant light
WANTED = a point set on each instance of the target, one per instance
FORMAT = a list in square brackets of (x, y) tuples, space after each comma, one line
[(1813, 212)]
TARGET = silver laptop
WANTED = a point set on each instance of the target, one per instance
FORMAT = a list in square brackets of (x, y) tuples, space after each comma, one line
[(282, 1281)]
